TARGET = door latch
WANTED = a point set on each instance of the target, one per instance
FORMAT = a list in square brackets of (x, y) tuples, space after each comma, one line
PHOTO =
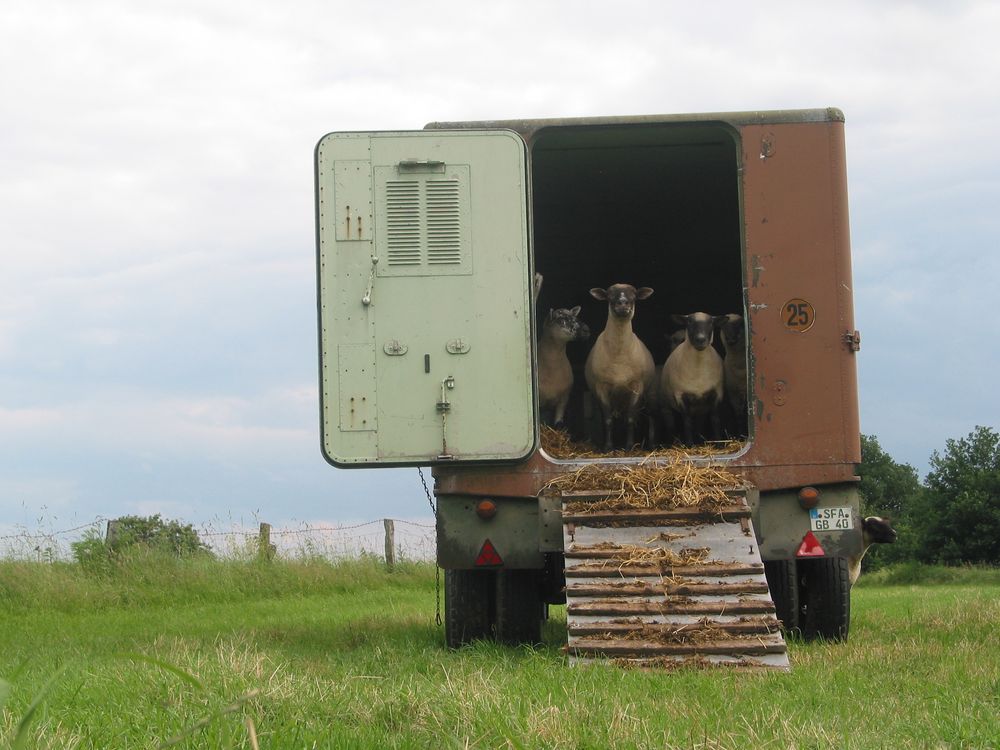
[(367, 299), (443, 407)]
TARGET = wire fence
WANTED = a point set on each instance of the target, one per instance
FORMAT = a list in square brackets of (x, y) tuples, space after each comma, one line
[(393, 538)]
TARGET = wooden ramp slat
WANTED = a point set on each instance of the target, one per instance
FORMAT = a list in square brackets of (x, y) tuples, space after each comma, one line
[(640, 570), (759, 626), (665, 589), (626, 609), (731, 647)]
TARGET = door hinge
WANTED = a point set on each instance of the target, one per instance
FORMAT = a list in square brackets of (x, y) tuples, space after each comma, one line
[(853, 340)]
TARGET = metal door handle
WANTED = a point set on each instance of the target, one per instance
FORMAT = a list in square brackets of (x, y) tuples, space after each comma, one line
[(420, 165)]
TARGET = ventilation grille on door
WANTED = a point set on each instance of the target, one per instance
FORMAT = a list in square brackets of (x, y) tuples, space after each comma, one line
[(423, 228), (402, 205)]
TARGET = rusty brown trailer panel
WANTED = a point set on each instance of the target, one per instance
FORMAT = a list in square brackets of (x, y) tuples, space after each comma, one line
[(799, 301)]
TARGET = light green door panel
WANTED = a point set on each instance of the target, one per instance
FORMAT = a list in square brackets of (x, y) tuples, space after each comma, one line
[(424, 297)]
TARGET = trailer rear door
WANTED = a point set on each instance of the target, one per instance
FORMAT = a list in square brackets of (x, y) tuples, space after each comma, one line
[(425, 315)]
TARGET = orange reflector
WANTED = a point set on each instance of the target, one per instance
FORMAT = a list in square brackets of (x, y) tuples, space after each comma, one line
[(809, 497), (486, 509), (488, 555), (810, 546)]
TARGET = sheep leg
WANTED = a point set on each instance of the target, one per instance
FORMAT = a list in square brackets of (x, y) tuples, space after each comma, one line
[(670, 426), (608, 428), (631, 416), (560, 411), (715, 424), (688, 422), (607, 412)]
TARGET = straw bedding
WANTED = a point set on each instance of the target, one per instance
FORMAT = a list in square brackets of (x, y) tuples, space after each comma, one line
[(664, 479), (634, 555)]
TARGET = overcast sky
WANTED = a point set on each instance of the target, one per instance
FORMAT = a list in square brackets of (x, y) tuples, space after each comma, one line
[(157, 290)]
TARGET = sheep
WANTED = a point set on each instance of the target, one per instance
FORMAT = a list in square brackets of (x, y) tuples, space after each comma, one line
[(652, 407), (734, 367), (874, 530), (619, 368), (692, 379), (675, 339), (536, 288), (555, 375)]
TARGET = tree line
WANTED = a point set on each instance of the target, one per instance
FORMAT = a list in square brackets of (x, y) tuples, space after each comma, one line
[(952, 517)]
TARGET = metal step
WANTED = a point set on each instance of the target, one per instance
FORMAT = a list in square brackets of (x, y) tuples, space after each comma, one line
[(666, 587)]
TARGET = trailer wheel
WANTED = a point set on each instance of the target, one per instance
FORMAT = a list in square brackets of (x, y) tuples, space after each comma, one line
[(468, 606), (784, 586), (827, 599), (519, 607)]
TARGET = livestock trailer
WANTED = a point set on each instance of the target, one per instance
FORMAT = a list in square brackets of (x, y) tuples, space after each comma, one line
[(428, 242)]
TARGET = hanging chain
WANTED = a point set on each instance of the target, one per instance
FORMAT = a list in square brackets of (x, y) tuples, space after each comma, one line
[(427, 492), (437, 569)]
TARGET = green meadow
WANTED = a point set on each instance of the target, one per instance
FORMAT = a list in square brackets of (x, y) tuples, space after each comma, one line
[(199, 653)]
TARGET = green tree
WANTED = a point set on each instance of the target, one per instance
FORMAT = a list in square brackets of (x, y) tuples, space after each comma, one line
[(887, 487), (154, 532), (962, 509), (890, 490), (147, 532)]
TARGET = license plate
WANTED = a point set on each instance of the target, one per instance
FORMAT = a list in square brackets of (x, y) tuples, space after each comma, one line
[(831, 519)]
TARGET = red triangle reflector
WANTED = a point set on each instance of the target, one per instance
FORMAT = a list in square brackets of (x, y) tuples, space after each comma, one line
[(810, 546), (488, 555)]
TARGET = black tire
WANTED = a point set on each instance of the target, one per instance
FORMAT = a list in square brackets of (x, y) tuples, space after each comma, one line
[(784, 585), (468, 606), (827, 600), (519, 607)]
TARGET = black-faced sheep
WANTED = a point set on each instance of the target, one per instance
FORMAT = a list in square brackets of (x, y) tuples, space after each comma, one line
[(874, 530), (734, 367), (619, 368), (555, 375), (692, 379)]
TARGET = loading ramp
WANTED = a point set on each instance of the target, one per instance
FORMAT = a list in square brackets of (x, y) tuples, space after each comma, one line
[(667, 587)]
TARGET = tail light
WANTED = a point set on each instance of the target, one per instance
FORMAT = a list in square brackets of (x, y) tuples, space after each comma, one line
[(808, 498), (486, 509)]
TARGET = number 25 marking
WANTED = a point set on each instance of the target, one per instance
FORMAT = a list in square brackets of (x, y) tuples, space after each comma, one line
[(798, 315)]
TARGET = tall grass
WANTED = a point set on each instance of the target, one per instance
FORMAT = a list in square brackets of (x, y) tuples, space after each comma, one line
[(200, 653), (913, 573), (144, 577)]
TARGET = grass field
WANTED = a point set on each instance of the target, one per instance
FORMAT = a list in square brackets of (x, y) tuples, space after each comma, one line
[(200, 654)]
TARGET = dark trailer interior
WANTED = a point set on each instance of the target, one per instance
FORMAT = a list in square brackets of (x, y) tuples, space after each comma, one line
[(654, 205)]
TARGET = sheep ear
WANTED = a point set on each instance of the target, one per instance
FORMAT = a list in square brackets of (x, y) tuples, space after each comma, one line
[(643, 292), (680, 320), (598, 293), (720, 320), (575, 311)]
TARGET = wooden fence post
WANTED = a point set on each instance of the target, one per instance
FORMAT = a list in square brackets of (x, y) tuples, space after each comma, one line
[(265, 550), (390, 543), (111, 535)]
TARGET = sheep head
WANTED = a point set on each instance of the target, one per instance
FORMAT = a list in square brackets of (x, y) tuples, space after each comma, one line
[(700, 328), (732, 331), (877, 530), (565, 325), (621, 298)]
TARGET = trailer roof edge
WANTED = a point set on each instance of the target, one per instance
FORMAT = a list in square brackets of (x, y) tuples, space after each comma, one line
[(753, 117)]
